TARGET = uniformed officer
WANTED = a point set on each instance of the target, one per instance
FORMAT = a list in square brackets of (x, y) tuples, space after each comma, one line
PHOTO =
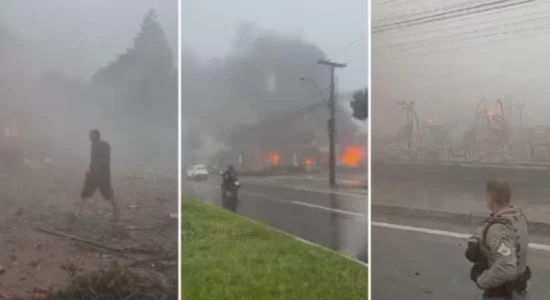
[(498, 249)]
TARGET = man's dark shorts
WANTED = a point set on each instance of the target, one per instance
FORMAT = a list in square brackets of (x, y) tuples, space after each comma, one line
[(98, 181)]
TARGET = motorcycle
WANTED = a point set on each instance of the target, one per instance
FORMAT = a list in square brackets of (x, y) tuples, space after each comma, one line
[(231, 186)]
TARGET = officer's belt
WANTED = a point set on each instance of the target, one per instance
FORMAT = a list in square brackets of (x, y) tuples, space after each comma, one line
[(507, 289)]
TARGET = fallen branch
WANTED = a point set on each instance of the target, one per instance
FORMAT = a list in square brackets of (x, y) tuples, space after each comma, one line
[(112, 250), (168, 257)]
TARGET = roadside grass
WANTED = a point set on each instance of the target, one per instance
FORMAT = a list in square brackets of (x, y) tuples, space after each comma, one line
[(228, 257)]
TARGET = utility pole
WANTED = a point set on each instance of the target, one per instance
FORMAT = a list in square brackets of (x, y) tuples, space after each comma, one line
[(521, 107), (331, 121), (409, 110)]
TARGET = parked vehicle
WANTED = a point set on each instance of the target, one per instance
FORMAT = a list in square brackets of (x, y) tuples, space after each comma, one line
[(197, 172)]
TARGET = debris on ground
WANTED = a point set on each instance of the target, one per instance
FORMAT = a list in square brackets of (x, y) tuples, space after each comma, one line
[(48, 253), (116, 282)]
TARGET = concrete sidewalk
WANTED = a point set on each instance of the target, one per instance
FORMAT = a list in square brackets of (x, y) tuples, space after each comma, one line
[(447, 216)]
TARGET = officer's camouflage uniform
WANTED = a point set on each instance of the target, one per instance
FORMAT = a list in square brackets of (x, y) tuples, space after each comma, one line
[(503, 242)]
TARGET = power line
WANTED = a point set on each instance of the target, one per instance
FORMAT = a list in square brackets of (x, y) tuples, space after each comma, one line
[(418, 44), (348, 47), (379, 3), (532, 34), (293, 113), (420, 10), (461, 24), (357, 58), (336, 54), (402, 2), (533, 31), (435, 40), (476, 9), (444, 13), (296, 113), (346, 53), (353, 43)]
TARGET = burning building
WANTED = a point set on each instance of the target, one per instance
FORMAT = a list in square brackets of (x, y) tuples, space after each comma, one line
[(300, 141)]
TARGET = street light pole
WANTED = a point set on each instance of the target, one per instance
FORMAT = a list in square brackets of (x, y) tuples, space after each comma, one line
[(331, 121)]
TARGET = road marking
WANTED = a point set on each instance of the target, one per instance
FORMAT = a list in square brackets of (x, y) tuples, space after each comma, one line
[(363, 196), (346, 181), (299, 188), (340, 211), (422, 230), (355, 195), (457, 235), (362, 217)]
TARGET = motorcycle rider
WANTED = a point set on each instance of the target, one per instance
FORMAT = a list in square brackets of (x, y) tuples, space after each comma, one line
[(229, 176)]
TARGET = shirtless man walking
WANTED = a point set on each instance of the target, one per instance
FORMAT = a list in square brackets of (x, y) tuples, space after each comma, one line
[(98, 176)]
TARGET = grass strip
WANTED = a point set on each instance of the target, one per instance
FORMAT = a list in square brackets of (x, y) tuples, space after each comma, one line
[(228, 257)]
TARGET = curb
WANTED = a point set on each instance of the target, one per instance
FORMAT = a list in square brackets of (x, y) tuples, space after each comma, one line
[(457, 218), (460, 172), (297, 238)]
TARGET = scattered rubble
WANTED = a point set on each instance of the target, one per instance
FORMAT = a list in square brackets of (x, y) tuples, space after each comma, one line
[(116, 283), (48, 253)]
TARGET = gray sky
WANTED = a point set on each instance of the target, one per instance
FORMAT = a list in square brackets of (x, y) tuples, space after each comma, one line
[(76, 36), (208, 27), (447, 67)]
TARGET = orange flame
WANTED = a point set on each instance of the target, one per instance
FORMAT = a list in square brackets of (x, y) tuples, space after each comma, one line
[(274, 158), (352, 156), (492, 112), (308, 162)]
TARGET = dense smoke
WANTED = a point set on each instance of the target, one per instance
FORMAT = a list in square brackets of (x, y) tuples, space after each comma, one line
[(258, 81), (132, 100)]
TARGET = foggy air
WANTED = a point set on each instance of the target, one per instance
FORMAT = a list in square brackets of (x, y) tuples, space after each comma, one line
[(274, 112), (459, 112), (88, 147)]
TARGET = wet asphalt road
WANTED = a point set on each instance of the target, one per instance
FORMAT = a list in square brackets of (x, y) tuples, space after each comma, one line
[(413, 265), (359, 183), (305, 208)]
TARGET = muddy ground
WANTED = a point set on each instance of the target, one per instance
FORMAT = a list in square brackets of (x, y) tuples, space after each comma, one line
[(44, 196)]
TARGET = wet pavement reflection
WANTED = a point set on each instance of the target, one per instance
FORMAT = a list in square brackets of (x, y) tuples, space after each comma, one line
[(336, 220), (356, 183), (230, 202)]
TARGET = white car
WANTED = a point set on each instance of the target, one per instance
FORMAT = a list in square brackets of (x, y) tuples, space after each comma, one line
[(197, 172)]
